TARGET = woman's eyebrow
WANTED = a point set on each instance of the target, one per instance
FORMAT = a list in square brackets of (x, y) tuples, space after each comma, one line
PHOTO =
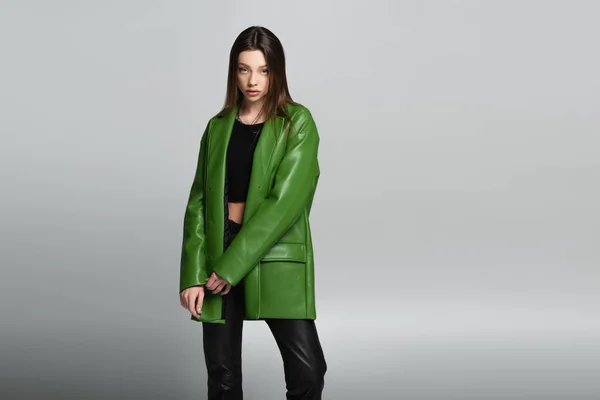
[(246, 65)]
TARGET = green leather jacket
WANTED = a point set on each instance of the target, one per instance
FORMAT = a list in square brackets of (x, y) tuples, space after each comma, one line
[(273, 251)]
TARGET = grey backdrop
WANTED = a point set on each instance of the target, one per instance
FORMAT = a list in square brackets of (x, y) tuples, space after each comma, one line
[(456, 223)]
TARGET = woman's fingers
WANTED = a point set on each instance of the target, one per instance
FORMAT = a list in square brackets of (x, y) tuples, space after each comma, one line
[(191, 302), (199, 303), (211, 283), (182, 300), (227, 289), (215, 283), (220, 286)]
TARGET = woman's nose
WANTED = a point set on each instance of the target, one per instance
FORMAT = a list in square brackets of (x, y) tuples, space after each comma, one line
[(252, 80)]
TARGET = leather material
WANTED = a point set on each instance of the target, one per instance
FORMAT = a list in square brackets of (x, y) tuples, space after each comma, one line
[(298, 342), (297, 339), (272, 253)]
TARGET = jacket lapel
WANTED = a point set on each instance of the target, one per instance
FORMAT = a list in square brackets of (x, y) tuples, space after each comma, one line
[(215, 183), (261, 163)]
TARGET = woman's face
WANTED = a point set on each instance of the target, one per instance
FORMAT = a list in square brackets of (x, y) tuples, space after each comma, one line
[(253, 75)]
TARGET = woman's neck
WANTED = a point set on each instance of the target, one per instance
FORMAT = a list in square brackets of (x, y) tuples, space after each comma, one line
[(249, 112)]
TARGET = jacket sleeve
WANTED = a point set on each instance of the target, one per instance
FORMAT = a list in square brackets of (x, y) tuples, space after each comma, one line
[(294, 182), (193, 260)]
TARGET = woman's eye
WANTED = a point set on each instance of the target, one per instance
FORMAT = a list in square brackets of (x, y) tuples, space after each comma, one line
[(244, 70)]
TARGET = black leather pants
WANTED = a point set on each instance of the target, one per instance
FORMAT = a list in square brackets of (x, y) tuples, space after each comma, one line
[(297, 339)]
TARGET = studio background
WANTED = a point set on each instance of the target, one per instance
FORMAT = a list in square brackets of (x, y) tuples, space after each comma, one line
[(456, 225)]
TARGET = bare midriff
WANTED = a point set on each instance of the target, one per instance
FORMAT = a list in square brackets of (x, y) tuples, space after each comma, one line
[(236, 211)]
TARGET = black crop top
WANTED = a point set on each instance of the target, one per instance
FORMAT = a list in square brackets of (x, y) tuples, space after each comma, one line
[(239, 159)]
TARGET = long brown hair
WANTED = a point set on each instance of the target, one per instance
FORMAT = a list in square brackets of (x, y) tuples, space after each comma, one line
[(278, 95)]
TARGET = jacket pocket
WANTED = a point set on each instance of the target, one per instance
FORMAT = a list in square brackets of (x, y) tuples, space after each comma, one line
[(294, 252), (282, 282)]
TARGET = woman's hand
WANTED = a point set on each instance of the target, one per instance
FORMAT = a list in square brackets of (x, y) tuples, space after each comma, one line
[(192, 299), (216, 284)]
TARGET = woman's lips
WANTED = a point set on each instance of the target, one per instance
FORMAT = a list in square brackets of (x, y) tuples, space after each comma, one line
[(252, 92)]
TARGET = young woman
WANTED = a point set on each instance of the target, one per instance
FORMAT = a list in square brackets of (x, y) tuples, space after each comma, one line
[(247, 247)]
